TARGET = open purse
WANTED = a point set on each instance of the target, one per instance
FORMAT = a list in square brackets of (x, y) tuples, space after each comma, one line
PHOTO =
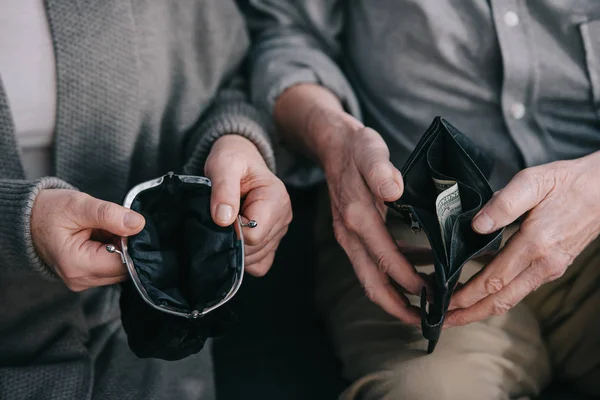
[(183, 267), (445, 185)]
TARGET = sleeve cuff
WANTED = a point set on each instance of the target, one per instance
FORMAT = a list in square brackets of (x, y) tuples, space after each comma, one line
[(16, 202), (238, 118), (280, 69)]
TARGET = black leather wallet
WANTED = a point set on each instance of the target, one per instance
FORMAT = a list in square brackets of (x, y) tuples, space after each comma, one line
[(445, 185)]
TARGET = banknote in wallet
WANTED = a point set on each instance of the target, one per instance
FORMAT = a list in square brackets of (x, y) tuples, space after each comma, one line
[(445, 185)]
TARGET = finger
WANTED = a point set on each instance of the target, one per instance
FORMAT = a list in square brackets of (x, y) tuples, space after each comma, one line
[(526, 190), (258, 256), (92, 266), (270, 207), (260, 268), (226, 175), (376, 284), (89, 212), (383, 250), (273, 237), (86, 282), (512, 260), (94, 260), (372, 158), (501, 302)]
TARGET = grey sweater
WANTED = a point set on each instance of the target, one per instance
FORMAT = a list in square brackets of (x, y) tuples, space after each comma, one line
[(143, 88)]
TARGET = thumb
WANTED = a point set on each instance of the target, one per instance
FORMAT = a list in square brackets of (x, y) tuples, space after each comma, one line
[(111, 217), (373, 162), (525, 191), (225, 197)]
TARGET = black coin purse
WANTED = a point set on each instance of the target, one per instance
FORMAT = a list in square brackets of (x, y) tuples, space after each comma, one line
[(445, 185), (184, 269)]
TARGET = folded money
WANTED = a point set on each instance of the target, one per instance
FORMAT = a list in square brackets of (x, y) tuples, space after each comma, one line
[(445, 185)]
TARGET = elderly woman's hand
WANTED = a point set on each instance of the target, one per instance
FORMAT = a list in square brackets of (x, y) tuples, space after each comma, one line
[(70, 230), (237, 170)]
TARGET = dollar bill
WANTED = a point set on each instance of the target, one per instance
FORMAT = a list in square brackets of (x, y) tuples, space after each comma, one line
[(443, 184), (448, 207)]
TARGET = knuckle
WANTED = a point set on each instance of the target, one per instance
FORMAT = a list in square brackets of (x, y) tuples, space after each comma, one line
[(105, 212), (460, 319), (288, 220), (493, 285), (339, 232), (74, 201), (538, 180), (503, 203), (539, 248), (370, 293), (376, 170), (72, 281), (384, 263), (76, 287), (259, 269), (529, 176), (284, 231), (500, 307), (253, 238), (369, 139), (351, 216), (534, 283), (555, 271)]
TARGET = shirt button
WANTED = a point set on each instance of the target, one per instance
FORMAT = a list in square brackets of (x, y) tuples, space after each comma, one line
[(517, 110), (511, 19)]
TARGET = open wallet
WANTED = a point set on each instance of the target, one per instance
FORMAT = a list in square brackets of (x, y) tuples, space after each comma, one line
[(445, 185), (184, 269)]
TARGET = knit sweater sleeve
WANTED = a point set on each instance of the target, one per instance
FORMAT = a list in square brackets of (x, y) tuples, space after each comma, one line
[(297, 41), (16, 202), (230, 113)]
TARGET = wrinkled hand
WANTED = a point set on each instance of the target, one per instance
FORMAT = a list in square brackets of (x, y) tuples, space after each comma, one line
[(70, 230), (564, 217), (360, 178), (237, 170)]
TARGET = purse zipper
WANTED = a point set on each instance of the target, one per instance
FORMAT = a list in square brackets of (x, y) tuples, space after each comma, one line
[(414, 223)]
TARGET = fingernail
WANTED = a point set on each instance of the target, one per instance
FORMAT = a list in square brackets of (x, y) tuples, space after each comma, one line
[(132, 219), (483, 223), (224, 212), (389, 189)]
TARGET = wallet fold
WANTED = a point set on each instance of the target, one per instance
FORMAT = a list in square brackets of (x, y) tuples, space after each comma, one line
[(445, 165)]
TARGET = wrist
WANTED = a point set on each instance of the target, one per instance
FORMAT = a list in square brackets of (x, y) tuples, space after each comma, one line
[(237, 146), (330, 130), (311, 118)]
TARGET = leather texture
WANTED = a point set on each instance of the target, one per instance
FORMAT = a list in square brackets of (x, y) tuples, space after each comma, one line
[(445, 153), (185, 262)]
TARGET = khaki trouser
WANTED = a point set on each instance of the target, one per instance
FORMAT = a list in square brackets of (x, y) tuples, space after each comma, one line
[(553, 334)]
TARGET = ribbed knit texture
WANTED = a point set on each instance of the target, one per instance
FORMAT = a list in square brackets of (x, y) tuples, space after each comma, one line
[(16, 202), (140, 85), (10, 164), (231, 113)]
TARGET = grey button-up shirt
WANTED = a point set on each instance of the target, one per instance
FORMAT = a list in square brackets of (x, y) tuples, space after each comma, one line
[(521, 78)]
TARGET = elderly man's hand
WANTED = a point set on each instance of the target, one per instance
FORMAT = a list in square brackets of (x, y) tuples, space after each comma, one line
[(563, 217), (360, 178)]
